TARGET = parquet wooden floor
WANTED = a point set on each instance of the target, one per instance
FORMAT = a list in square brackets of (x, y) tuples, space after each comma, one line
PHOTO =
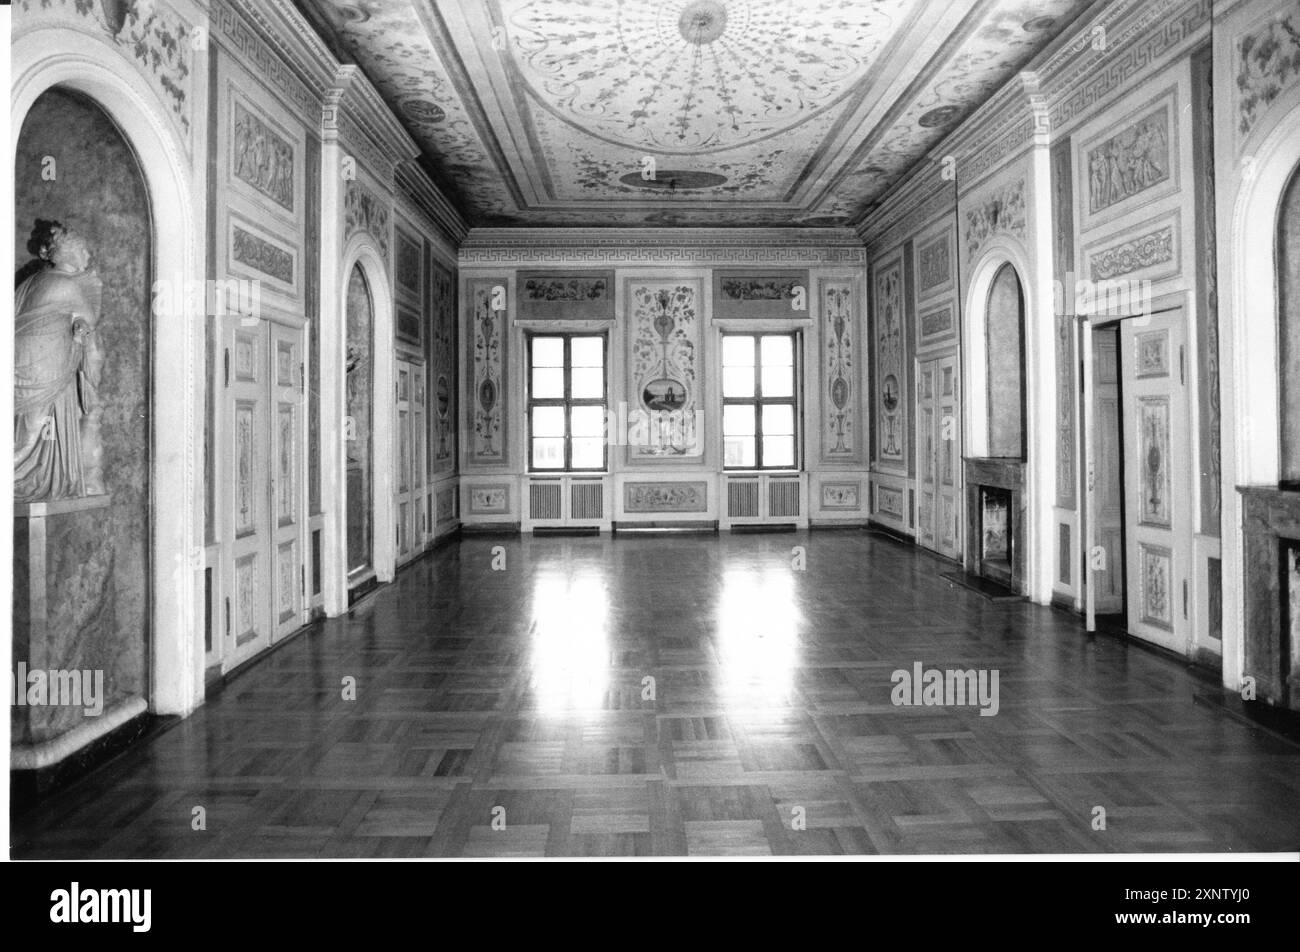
[(507, 713)]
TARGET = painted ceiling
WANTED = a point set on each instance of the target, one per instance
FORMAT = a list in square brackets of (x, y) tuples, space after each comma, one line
[(682, 112)]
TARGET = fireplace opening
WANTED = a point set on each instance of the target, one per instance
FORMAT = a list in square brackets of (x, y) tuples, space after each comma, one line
[(1286, 664), (996, 534)]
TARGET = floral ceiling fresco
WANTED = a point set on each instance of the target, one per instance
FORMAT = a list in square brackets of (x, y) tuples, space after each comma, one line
[(682, 112)]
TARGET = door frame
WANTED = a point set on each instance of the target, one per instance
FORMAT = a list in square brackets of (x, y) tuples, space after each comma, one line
[(1086, 324)]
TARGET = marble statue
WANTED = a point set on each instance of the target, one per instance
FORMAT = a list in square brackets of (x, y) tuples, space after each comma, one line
[(58, 365)]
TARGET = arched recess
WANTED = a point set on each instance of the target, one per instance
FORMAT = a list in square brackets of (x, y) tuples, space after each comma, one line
[(1250, 391), (44, 59), (361, 255), (1004, 327), (997, 253)]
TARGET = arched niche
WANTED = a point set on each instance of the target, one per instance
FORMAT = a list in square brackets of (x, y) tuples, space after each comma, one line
[(77, 62), (1004, 328), (74, 165), (1287, 262), (359, 407)]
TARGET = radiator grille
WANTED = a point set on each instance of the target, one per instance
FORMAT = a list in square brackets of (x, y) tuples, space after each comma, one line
[(783, 498), (545, 501), (587, 500), (742, 499)]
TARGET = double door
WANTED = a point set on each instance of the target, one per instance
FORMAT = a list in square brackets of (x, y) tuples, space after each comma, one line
[(938, 441), (1139, 478), (411, 504), (262, 478)]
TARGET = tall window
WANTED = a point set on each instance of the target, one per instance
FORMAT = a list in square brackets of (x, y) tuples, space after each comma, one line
[(566, 402), (760, 413)]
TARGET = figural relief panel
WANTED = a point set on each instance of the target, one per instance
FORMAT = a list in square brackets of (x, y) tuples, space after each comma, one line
[(1267, 63), (1000, 212), (363, 211), (665, 497), (260, 156), (488, 331), (839, 414), (663, 355), (892, 439)]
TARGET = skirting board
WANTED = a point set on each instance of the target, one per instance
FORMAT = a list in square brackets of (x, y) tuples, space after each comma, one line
[(50, 752)]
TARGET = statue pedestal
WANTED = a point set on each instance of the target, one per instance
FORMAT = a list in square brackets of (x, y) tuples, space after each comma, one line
[(64, 611)]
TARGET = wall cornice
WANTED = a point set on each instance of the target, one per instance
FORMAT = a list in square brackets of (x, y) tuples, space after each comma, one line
[(764, 246)]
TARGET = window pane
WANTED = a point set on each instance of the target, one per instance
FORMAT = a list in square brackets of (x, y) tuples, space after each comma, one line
[(548, 453), (778, 381), (737, 381), (589, 453), (778, 451), (778, 350), (588, 383), (587, 351), (738, 420), (588, 421), (737, 351), (778, 420), (738, 451), (548, 383), (548, 421), (548, 351)]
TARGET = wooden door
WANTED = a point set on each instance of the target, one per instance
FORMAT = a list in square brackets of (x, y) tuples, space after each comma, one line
[(938, 441), (1157, 478), (288, 516), (927, 457), (247, 481), (404, 500), (1108, 474)]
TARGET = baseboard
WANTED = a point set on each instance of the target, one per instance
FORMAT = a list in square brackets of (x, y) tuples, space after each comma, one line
[(30, 785)]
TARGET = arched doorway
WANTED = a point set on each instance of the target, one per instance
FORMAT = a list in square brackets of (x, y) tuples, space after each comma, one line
[(83, 591)]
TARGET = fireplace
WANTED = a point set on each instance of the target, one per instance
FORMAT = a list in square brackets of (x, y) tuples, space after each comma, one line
[(1271, 527), (995, 520), (995, 533)]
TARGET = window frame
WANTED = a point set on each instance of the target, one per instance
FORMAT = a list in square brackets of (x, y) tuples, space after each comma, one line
[(758, 401), (567, 402)]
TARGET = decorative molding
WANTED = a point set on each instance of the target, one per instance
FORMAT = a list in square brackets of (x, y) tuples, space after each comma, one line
[(845, 495), (489, 324), (442, 383), (489, 498), (1135, 254), (664, 345), (1000, 212), (261, 255), (1266, 63), (934, 264), (1132, 161), (260, 157), (1139, 46), (666, 497), (566, 295), (937, 323), (761, 295), (891, 378), (363, 211), (840, 371), (692, 246)]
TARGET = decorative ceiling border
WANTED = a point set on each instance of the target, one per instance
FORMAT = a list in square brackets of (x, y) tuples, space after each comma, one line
[(809, 246)]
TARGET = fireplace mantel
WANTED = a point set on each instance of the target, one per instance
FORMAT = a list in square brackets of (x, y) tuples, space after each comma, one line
[(1271, 527), (1008, 475)]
